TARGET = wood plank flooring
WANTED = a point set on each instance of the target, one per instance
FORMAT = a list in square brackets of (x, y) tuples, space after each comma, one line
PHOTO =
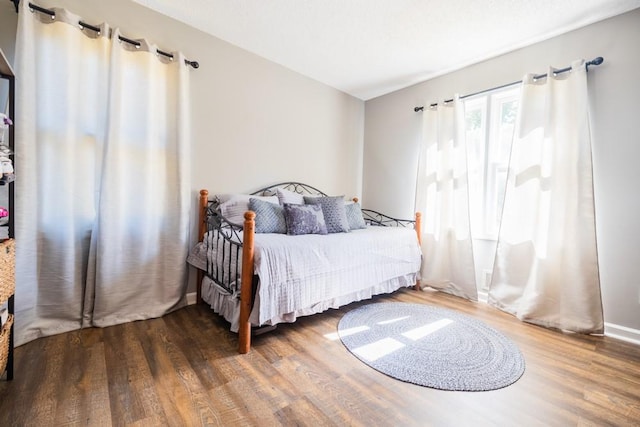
[(183, 370)]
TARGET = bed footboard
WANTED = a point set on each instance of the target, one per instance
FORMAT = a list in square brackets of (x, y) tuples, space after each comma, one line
[(246, 294), (203, 204), (226, 242), (237, 260)]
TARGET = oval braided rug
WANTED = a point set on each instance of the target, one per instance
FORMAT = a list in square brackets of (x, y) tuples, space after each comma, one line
[(431, 346)]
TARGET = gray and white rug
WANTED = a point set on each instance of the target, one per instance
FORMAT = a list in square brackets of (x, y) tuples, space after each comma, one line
[(431, 346)]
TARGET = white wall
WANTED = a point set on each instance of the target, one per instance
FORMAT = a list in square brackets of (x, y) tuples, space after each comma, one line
[(393, 129), (254, 122)]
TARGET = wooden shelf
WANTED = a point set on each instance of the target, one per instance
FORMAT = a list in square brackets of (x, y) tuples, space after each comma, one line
[(7, 257)]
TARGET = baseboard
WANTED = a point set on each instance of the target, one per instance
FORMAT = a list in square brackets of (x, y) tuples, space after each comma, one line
[(622, 333), (191, 298)]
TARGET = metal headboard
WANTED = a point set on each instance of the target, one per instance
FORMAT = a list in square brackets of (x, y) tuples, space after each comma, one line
[(296, 187)]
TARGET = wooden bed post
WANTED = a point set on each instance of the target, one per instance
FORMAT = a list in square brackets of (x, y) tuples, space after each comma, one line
[(246, 291), (418, 228), (202, 228), (204, 200)]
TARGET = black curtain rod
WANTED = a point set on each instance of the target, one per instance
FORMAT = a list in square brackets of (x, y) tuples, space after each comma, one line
[(52, 14), (596, 61)]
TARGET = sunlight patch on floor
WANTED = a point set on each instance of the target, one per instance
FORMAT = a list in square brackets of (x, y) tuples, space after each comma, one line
[(378, 349), (397, 319), (423, 331), (346, 332)]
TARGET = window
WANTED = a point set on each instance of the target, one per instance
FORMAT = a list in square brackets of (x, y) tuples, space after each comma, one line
[(490, 123)]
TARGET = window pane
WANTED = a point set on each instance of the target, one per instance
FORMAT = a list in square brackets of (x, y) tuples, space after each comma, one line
[(476, 119), (503, 119), (490, 124)]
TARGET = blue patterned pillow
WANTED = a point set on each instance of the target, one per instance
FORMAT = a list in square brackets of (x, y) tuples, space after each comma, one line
[(354, 216), (269, 217), (333, 210), (304, 219)]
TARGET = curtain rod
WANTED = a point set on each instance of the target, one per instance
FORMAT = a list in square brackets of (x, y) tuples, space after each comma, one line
[(596, 61), (83, 25)]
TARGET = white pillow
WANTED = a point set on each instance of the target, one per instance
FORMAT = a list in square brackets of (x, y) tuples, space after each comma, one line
[(291, 197), (233, 206)]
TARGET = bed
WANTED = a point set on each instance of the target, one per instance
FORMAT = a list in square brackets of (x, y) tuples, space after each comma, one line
[(252, 239)]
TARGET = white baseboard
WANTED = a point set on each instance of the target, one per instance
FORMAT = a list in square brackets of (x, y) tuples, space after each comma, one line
[(191, 298), (622, 333)]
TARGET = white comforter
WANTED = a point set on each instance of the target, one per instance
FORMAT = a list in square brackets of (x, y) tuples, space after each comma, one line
[(298, 273), (303, 275)]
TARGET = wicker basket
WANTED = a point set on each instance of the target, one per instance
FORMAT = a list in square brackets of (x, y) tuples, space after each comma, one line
[(7, 269), (4, 343)]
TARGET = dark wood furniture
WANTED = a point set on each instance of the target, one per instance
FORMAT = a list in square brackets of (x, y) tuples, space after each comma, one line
[(7, 250)]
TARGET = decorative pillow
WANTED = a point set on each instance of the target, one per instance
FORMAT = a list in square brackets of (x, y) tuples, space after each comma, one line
[(304, 219), (333, 210), (233, 206), (354, 216), (226, 197), (269, 216), (286, 196)]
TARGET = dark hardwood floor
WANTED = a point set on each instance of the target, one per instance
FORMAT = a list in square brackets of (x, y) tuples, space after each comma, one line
[(183, 369)]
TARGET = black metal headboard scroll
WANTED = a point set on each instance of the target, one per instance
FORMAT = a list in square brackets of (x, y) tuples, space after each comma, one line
[(371, 217), (381, 220), (296, 187)]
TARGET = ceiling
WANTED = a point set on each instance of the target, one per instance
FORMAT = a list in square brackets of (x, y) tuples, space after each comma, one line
[(367, 48)]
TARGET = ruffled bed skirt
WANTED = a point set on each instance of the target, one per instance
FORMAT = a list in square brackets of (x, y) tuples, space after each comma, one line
[(228, 305)]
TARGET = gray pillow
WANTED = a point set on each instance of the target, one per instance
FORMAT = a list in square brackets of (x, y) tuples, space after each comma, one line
[(233, 206), (333, 210), (269, 216), (354, 216), (304, 219)]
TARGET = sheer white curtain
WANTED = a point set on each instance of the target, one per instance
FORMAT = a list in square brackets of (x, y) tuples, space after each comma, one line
[(101, 152), (546, 268), (442, 195)]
